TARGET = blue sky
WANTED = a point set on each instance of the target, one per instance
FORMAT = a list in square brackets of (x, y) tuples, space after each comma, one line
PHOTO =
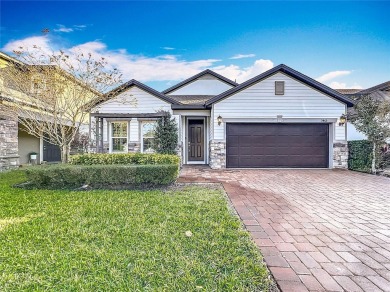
[(342, 44)]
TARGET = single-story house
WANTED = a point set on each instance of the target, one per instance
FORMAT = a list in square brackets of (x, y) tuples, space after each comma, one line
[(278, 119)]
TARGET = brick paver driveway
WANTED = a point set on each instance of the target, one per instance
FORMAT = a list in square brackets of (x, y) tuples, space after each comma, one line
[(318, 230)]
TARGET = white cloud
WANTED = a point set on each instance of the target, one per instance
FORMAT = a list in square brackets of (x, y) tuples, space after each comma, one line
[(241, 56), (168, 48), (167, 67), (242, 74), (42, 42), (341, 85), (63, 28), (332, 75), (80, 26)]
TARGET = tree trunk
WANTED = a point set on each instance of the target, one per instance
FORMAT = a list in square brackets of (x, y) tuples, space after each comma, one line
[(65, 149), (373, 162)]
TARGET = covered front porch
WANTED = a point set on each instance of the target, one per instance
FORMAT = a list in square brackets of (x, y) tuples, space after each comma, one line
[(194, 135)]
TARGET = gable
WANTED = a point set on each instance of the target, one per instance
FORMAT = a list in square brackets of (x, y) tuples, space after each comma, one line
[(298, 98), (204, 85), (309, 82), (133, 100), (295, 92)]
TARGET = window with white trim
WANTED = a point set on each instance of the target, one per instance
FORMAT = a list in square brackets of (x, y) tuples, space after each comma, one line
[(279, 87), (119, 137), (147, 136)]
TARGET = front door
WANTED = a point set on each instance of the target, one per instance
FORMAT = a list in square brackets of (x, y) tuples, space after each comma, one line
[(51, 152), (195, 140)]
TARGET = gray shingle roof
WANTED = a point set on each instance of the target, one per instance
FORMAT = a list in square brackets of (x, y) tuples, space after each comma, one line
[(383, 87), (191, 99), (348, 91)]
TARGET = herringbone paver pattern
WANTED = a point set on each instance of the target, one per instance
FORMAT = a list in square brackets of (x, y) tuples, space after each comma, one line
[(318, 230)]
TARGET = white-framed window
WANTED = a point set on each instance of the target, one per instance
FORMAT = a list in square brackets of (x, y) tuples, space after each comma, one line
[(147, 136), (279, 87), (119, 136)]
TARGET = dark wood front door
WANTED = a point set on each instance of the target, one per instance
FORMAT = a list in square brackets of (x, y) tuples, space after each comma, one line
[(51, 152), (277, 145), (195, 140)]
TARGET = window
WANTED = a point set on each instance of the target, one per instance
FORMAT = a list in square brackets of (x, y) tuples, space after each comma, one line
[(119, 136), (37, 86), (279, 87), (147, 131)]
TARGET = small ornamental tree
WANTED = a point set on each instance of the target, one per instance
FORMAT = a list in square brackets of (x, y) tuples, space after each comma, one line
[(166, 135), (372, 118)]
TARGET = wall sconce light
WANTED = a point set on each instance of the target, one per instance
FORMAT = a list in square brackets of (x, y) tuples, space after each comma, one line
[(219, 119), (342, 120)]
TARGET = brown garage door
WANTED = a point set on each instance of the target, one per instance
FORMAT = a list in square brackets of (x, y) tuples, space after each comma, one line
[(277, 145)]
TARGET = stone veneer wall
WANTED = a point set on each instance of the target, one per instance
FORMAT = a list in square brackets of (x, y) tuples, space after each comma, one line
[(9, 157), (179, 152), (340, 155), (217, 154)]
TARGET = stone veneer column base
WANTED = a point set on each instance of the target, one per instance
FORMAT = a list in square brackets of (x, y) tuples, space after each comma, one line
[(217, 154), (340, 155), (9, 156), (179, 152)]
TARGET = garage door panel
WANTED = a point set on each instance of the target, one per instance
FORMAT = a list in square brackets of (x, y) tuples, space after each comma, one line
[(232, 150), (277, 145), (232, 161)]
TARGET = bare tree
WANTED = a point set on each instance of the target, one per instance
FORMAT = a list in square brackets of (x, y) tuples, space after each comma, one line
[(50, 92)]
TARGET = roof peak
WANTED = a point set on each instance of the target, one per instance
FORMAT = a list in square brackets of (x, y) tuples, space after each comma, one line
[(196, 76)]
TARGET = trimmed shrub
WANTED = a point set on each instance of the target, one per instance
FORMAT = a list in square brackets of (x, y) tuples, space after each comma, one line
[(124, 158), (166, 135), (360, 155), (100, 176)]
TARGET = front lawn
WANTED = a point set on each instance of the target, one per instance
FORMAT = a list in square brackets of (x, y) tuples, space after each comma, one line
[(123, 240)]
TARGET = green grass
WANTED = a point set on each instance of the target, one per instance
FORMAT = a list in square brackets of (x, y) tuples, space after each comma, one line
[(123, 240)]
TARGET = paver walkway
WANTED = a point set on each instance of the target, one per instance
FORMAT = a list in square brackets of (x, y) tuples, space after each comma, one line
[(318, 230)]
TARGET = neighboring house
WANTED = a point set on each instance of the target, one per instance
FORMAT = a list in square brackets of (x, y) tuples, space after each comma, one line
[(15, 142), (380, 92), (278, 119)]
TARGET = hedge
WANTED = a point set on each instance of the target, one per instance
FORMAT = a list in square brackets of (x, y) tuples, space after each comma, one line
[(100, 176), (124, 158), (360, 155)]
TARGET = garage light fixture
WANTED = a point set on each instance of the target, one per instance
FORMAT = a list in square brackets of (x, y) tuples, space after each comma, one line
[(342, 120), (219, 120)]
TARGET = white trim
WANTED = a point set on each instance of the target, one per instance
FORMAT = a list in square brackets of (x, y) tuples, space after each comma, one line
[(40, 149), (207, 130), (197, 113), (331, 133), (183, 139), (141, 133), (196, 162), (275, 120), (109, 123)]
